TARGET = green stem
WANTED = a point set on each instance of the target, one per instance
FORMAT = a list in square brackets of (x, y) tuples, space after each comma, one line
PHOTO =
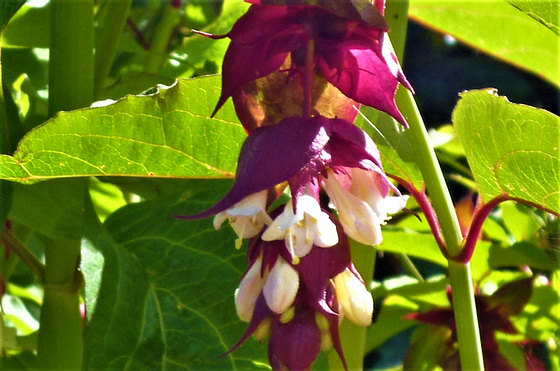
[(409, 267), (60, 343), (160, 42), (459, 273), (71, 61), (352, 336), (71, 55), (111, 19), (24, 254)]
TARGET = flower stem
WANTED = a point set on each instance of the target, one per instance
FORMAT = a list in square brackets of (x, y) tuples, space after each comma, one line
[(308, 79), (459, 273), (475, 228)]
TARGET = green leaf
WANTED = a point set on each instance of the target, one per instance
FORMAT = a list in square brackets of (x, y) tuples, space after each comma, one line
[(522, 41), (390, 321), (419, 245), (511, 148), (29, 28), (168, 134), (544, 11), (7, 11), (520, 220), (53, 208), (429, 347), (165, 298)]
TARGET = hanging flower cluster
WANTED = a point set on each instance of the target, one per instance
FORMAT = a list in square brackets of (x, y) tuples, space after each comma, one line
[(297, 71)]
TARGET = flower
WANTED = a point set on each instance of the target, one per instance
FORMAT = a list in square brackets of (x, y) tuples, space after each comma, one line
[(354, 298), (247, 217), (309, 226), (327, 287), (298, 150), (353, 54), (363, 202)]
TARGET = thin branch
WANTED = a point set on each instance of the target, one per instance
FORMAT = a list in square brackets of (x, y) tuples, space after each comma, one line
[(428, 211), (23, 253), (480, 215)]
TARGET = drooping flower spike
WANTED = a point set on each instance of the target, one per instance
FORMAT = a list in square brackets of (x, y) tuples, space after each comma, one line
[(328, 288), (353, 55)]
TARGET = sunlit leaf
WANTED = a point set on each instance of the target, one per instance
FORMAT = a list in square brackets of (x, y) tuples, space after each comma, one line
[(29, 28), (168, 134), (497, 28), (544, 11), (512, 149), (419, 245), (165, 299)]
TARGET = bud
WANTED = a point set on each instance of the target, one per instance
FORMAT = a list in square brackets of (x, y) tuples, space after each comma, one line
[(355, 299), (281, 286)]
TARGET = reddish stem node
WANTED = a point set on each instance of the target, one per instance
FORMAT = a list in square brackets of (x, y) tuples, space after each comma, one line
[(481, 213)]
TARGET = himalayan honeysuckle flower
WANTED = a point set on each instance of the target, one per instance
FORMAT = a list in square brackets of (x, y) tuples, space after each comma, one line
[(247, 217), (354, 298), (301, 230), (299, 150), (350, 49), (327, 286), (363, 202)]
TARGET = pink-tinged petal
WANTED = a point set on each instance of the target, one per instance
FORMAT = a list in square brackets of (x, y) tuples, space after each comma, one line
[(274, 154), (366, 77), (295, 345)]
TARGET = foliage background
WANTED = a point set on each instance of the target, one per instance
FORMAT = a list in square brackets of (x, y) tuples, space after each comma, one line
[(159, 291)]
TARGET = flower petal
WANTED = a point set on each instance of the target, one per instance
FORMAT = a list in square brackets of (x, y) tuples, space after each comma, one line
[(368, 76), (249, 290)]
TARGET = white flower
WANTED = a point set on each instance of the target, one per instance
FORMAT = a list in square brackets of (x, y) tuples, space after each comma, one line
[(247, 217), (309, 226), (361, 208), (354, 298), (281, 286)]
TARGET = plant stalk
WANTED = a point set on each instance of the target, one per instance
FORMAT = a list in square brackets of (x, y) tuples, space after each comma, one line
[(162, 36), (468, 333), (71, 86), (111, 20)]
